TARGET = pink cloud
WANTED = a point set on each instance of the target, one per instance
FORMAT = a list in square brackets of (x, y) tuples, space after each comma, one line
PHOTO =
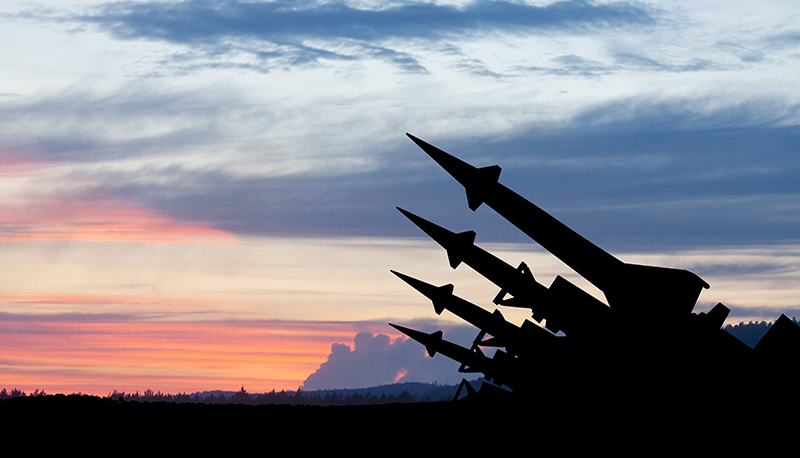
[(379, 359), (43, 204)]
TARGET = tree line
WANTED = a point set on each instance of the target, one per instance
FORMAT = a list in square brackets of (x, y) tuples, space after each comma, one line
[(273, 397)]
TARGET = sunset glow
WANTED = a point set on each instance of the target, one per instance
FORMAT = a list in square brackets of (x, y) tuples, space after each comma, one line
[(200, 198), (109, 220), (99, 357)]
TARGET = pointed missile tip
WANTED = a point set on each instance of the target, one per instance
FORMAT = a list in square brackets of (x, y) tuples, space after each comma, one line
[(420, 143), (421, 337), (426, 289), (414, 139), (429, 149), (406, 213), (403, 277), (399, 275), (414, 218), (402, 329)]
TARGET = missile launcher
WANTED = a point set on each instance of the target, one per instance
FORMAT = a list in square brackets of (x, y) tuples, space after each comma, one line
[(647, 336)]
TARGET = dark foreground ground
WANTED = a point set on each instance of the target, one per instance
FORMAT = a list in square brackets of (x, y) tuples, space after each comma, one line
[(472, 425)]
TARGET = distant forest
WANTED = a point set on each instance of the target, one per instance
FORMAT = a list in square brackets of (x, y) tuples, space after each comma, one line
[(386, 394), (751, 332)]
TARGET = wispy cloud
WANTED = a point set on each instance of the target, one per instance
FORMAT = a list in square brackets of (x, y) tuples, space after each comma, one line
[(785, 39), (571, 65), (662, 165), (39, 203), (211, 21), (634, 60), (263, 36), (111, 220)]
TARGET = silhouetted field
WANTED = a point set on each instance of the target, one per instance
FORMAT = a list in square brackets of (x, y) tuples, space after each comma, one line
[(579, 423)]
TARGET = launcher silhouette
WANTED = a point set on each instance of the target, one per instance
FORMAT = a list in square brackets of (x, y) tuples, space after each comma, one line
[(646, 336)]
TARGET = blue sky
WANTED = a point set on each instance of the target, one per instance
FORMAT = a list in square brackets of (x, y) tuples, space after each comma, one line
[(252, 153)]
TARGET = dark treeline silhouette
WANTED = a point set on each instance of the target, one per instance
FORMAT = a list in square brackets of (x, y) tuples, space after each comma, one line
[(365, 396), (409, 392), (422, 391), (15, 393), (751, 333)]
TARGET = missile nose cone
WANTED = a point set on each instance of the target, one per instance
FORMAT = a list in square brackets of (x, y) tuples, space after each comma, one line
[(437, 294), (430, 341), (408, 331), (421, 143), (454, 166), (455, 244), (422, 223), (476, 181), (426, 289)]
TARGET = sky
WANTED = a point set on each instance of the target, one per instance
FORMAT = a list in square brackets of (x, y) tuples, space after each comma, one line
[(201, 195)]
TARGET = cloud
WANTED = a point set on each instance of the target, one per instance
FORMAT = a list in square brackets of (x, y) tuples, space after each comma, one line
[(263, 36), (41, 203), (636, 171), (82, 124), (785, 39), (760, 313), (378, 360), (99, 220), (635, 60), (624, 174), (572, 65), (740, 269), (200, 21), (170, 130)]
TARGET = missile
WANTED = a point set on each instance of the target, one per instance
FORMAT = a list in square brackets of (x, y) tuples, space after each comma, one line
[(564, 305), (434, 343), (471, 361), (504, 334), (461, 248), (674, 291)]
